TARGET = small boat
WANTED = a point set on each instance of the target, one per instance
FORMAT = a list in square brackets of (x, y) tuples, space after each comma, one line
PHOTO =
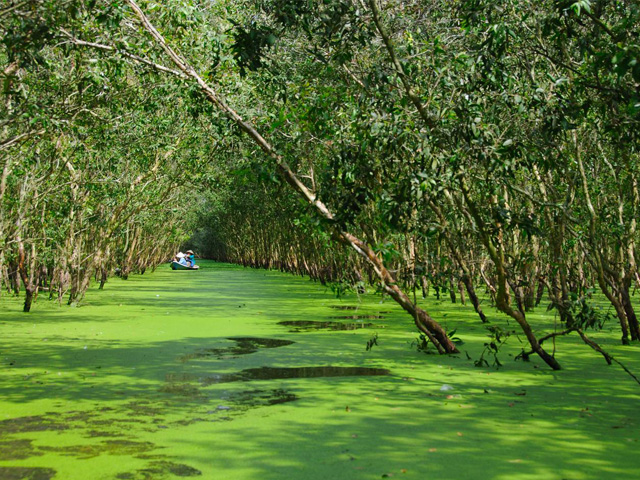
[(178, 266)]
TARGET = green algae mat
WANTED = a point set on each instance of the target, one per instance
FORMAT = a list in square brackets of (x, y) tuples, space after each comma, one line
[(231, 373)]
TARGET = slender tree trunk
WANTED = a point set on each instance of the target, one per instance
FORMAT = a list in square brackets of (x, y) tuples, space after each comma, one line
[(26, 276), (632, 319), (473, 297), (452, 290), (103, 278), (540, 292), (502, 297), (462, 264)]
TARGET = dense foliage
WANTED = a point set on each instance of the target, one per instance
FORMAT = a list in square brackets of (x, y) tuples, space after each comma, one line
[(453, 145)]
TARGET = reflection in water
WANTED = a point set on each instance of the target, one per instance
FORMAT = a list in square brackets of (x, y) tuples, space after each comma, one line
[(273, 373), (358, 317), (243, 346), (307, 325), (344, 307)]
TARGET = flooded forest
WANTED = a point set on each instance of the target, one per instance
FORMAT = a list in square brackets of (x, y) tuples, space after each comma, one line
[(414, 225)]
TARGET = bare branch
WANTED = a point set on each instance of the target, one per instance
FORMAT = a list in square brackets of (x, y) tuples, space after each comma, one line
[(109, 48), (19, 138), (8, 10)]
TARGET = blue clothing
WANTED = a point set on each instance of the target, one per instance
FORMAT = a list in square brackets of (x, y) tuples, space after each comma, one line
[(183, 261), (191, 261)]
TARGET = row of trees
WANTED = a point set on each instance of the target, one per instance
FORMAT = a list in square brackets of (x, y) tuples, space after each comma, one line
[(93, 174), (449, 144), (467, 142)]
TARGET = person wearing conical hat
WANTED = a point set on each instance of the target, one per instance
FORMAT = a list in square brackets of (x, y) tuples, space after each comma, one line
[(191, 259)]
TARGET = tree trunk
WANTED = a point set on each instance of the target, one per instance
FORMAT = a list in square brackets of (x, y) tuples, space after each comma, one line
[(632, 319), (540, 292), (103, 278), (28, 297), (502, 297), (452, 290), (474, 298)]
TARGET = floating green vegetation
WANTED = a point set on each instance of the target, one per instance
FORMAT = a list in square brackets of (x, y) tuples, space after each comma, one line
[(255, 398), (26, 473), (160, 469), (17, 449), (243, 346), (108, 447), (310, 325), (39, 423), (181, 389), (257, 406), (278, 373)]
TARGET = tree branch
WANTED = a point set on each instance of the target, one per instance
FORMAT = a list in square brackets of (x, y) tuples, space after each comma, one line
[(108, 48), (19, 138)]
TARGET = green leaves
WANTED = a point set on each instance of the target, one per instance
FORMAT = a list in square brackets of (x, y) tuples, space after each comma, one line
[(581, 5), (250, 44)]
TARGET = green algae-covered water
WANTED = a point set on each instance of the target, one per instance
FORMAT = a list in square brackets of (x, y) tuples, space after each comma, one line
[(231, 373)]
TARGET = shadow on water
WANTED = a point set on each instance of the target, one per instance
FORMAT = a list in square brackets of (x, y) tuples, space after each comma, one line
[(358, 317), (243, 346), (276, 373), (309, 325)]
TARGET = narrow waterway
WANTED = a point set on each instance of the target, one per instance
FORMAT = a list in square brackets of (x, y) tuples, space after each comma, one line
[(232, 373)]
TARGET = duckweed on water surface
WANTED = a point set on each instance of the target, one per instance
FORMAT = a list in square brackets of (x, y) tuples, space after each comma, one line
[(164, 376)]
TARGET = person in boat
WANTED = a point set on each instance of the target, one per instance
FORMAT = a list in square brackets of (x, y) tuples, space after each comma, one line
[(180, 258), (190, 259)]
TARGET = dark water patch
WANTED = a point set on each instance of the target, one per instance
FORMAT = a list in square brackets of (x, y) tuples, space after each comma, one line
[(310, 325), (275, 373), (160, 469), (344, 307), (74, 416), (17, 450), (258, 398), (30, 424), (189, 421), (108, 447), (144, 408), (26, 473), (91, 424), (181, 389), (243, 346), (102, 433), (358, 317), (179, 377), (181, 384)]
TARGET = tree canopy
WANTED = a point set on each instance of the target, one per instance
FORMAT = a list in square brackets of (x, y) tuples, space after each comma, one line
[(442, 146)]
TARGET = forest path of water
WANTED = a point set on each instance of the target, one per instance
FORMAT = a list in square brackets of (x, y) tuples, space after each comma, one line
[(221, 374)]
